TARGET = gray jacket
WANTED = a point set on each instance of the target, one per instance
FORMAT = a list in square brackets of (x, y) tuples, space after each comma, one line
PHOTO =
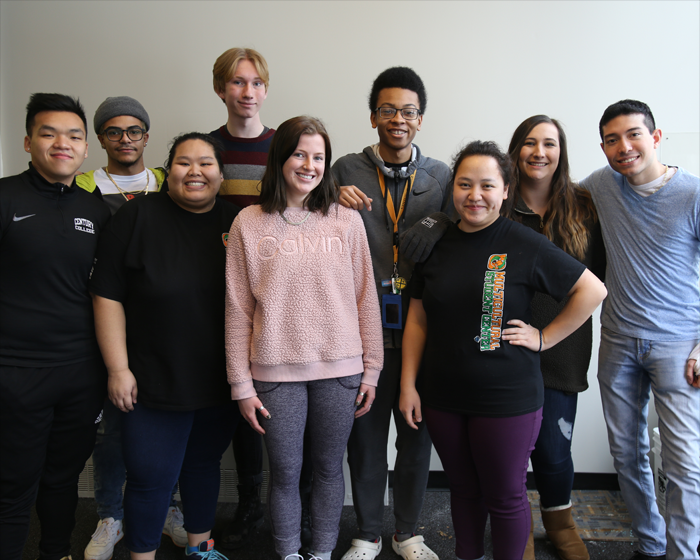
[(432, 192)]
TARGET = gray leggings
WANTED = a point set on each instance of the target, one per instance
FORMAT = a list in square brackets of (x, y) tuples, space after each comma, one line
[(329, 407)]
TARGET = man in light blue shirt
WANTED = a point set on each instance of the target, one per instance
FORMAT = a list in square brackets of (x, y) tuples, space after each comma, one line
[(650, 218)]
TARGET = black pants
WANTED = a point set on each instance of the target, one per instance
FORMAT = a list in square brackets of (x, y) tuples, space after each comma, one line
[(367, 458), (247, 450), (48, 421)]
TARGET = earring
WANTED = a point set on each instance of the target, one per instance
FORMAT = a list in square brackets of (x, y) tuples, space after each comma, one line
[(145, 144)]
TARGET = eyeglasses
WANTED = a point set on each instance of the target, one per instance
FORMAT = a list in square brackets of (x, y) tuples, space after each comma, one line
[(114, 134), (408, 113)]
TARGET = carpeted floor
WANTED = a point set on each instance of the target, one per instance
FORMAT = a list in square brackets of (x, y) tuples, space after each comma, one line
[(601, 515)]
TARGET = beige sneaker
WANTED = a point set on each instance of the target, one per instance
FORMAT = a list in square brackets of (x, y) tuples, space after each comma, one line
[(108, 533), (174, 527)]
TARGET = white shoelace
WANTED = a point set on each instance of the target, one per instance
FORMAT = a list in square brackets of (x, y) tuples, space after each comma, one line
[(104, 530), (176, 515)]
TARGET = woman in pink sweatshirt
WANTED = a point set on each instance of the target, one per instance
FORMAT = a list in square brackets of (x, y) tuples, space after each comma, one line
[(303, 331)]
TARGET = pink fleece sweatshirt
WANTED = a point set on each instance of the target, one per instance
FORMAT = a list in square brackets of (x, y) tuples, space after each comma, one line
[(301, 303)]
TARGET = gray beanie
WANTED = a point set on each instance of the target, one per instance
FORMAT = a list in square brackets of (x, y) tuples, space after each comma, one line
[(118, 106)]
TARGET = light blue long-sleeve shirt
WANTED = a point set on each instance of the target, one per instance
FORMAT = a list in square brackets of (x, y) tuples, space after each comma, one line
[(653, 251)]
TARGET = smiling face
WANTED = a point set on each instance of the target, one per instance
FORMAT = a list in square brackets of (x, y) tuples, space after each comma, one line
[(58, 145), (539, 156), (245, 92), (479, 192), (195, 177), (631, 148), (396, 133), (124, 154), (304, 169)]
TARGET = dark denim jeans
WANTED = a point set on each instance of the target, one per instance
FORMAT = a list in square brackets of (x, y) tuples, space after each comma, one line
[(108, 463), (551, 459), (159, 446)]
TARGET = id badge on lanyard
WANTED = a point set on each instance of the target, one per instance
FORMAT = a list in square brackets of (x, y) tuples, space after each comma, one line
[(392, 308)]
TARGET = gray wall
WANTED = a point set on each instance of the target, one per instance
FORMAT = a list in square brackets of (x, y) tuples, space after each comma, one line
[(487, 66)]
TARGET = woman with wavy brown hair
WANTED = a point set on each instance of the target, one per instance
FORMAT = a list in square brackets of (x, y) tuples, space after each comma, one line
[(548, 201)]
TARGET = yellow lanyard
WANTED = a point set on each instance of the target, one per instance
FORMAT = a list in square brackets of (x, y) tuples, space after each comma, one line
[(390, 207)]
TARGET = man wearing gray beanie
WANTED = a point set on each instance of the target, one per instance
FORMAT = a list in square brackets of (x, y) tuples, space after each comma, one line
[(122, 125)]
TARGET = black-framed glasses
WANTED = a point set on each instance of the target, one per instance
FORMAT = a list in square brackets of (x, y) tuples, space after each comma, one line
[(408, 113), (115, 134)]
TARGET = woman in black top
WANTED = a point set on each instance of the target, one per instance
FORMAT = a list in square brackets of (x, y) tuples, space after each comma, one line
[(548, 201), (158, 291), (480, 387)]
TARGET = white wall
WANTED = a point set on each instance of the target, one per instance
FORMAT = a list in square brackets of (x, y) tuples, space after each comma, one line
[(487, 66)]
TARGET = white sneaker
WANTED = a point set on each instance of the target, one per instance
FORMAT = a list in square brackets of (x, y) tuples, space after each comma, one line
[(174, 527), (101, 546)]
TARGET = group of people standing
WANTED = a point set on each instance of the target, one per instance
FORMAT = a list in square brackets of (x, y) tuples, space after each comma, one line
[(457, 299)]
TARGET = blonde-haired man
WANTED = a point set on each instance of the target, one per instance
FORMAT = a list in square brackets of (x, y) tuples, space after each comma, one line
[(241, 79)]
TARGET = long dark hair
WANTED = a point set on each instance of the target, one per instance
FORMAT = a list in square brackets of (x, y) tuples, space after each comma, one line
[(570, 207), (273, 188)]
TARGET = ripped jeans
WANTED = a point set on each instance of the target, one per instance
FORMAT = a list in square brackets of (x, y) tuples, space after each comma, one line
[(551, 460)]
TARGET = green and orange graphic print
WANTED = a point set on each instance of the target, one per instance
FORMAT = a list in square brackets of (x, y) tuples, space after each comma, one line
[(492, 303)]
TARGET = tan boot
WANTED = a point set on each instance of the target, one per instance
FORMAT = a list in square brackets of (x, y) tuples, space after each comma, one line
[(530, 546), (561, 530)]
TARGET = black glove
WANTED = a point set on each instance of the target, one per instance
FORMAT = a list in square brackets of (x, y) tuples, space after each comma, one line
[(419, 240)]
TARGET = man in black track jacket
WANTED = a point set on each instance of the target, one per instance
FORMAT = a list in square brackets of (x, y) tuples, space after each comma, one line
[(52, 379)]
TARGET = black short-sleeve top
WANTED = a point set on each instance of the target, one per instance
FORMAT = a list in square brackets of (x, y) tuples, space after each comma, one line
[(471, 286), (166, 266)]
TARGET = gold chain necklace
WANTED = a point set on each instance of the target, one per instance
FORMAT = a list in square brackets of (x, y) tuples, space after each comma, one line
[(132, 193)]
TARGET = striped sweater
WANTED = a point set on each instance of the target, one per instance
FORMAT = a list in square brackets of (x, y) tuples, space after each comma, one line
[(244, 164)]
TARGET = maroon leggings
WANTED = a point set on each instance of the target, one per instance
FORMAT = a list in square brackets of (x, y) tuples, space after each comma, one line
[(485, 460)]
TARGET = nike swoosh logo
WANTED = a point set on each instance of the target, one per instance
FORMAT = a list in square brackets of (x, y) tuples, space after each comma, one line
[(20, 218)]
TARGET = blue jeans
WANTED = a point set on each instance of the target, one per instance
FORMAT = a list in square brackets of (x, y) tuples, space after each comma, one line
[(628, 368), (108, 463), (551, 460), (159, 446)]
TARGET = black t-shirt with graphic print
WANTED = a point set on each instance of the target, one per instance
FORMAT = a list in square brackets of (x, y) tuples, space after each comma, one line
[(471, 286)]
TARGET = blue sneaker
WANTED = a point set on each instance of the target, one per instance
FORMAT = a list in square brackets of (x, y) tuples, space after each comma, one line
[(205, 551)]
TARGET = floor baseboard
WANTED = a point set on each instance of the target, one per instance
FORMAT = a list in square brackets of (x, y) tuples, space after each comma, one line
[(437, 481)]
